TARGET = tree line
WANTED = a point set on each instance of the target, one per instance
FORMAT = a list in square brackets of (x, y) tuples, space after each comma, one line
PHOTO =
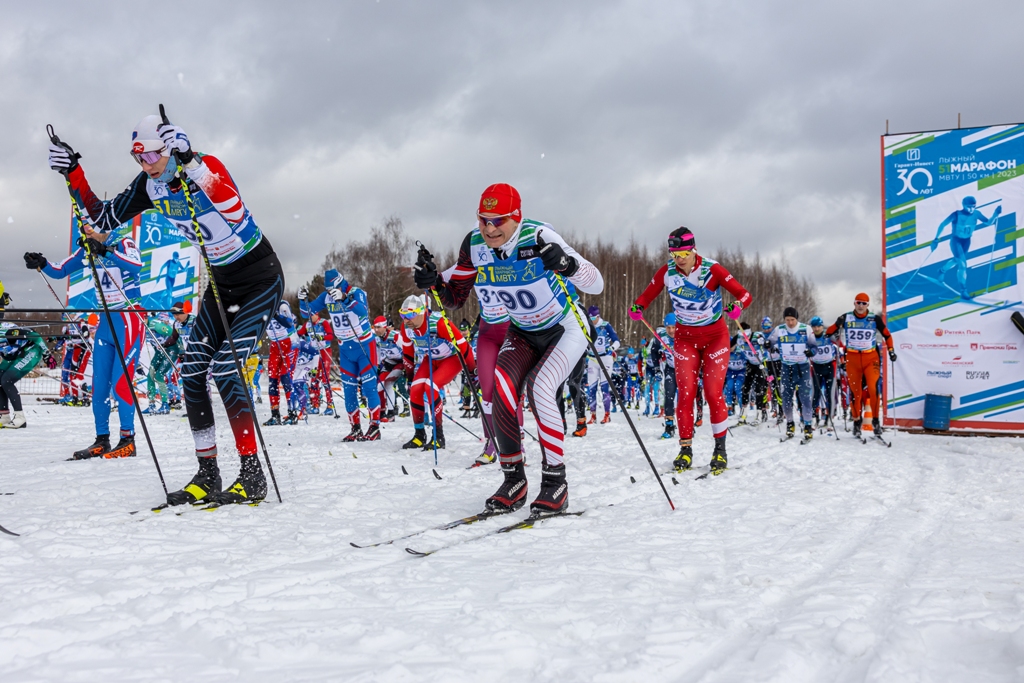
[(382, 266)]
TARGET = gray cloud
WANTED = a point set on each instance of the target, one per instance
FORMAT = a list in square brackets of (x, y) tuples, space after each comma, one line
[(756, 124)]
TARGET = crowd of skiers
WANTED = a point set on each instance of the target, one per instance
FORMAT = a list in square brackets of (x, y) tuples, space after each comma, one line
[(534, 343)]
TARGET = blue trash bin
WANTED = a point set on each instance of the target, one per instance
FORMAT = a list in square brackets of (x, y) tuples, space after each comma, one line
[(937, 408)]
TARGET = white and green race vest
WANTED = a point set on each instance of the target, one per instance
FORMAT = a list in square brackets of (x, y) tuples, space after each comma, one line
[(518, 288)]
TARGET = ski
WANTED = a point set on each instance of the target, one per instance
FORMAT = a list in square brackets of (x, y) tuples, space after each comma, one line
[(786, 437), (486, 514), (214, 506), (8, 531), (879, 439), (527, 523), (716, 472)]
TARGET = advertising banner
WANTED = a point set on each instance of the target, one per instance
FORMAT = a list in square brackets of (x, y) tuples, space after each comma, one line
[(951, 266)]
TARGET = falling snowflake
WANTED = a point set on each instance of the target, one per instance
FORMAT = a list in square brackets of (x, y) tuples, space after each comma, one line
[(233, 309), (10, 219)]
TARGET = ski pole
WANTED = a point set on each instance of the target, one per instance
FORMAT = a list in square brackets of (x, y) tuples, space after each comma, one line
[(106, 312), (460, 425), (430, 377), (590, 342), (465, 367), (190, 202)]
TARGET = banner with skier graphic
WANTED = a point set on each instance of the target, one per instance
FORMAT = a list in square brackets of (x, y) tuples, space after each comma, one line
[(952, 264), (81, 293)]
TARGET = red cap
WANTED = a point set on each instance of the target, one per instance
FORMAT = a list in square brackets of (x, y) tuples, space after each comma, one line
[(862, 297), (502, 199), (380, 320)]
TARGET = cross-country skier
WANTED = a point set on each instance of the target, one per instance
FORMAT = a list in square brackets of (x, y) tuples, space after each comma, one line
[(795, 343), (736, 375), (161, 363), (702, 337), (665, 348), (283, 343), (606, 341), (428, 349), (861, 330), (390, 369), (19, 355), (320, 334), (528, 267), (307, 358), (357, 348), (118, 264), (245, 268), (755, 384), (823, 363)]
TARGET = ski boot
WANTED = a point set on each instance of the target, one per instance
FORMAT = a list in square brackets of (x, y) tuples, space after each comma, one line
[(417, 440), (438, 440), (808, 431), (606, 419), (355, 435), (17, 420), (876, 426), (684, 460), (790, 430), (125, 448), (856, 427), (249, 487), (259, 399), (485, 458), (647, 411), (275, 418), (5, 419), (101, 446), (699, 421), (204, 484), (731, 411), (372, 433), (719, 460), (291, 419), (511, 495), (554, 492), (670, 430), (405, 411), (593, 419), (314, 411), (581, 427), (329, 411)]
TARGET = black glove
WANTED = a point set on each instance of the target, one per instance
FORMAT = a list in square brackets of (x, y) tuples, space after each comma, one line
[(555, 258), (63, 159), (34, 260), (892, 355), (809, 353), (425, 272), (93, 245)]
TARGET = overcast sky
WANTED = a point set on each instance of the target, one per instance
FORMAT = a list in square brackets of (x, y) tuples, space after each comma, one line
[(753, 123)]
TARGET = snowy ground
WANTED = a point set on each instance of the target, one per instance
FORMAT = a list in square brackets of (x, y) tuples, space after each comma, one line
[(834, 561)]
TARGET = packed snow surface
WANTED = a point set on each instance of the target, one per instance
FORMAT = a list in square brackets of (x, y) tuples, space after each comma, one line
[(832, 561)]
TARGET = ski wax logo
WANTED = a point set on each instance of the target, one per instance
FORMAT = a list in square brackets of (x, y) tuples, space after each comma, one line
[(939, 332), (908, 181), (977, 374), (941, 374), (489, 203)]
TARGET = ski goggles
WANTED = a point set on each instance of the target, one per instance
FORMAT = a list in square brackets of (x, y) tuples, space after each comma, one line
[(683, 253), (410, 313), (494, 221), (148, 157)]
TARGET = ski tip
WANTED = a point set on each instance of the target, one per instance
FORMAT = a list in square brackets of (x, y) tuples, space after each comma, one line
[(404, 471), (354, 545), (675, 482), (632, 480), (416, 553), (330, 453), (436, 474), (354, 456)]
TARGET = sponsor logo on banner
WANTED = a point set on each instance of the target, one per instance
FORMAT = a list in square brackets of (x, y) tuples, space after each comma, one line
[(938, 346), (977, 374), (1011, 362), (941, 374), (994, 347), (958, 360), (905, 345), (939, 332)]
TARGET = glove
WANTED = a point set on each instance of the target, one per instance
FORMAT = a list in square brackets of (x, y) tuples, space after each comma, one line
[(809, 353), (34, 260), (176, 141), (93, 245), (425, 274), (63, 159), (555, 258), (303, 293), (407, 368), (336, 293), (636, 312), (734, 310), (892, 355)]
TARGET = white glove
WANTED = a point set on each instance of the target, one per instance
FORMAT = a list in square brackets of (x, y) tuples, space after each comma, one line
[(175, 139), (62, 158), (336, 293), (303, 293)]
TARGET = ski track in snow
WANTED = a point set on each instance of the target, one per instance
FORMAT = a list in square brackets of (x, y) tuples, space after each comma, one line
[(832, 561)]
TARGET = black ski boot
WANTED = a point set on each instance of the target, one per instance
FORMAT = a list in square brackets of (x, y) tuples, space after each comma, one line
[(790, 430), (511, 495), (98, 449), (372, 433), (554, 492), (250, 487), (356, 434), (275, 418), (670, 429), (417, 440), (808, 432), (856, 427), (291, 419), (438, 439), (684, 460), (719, 459), (204, 484), (876, 426)]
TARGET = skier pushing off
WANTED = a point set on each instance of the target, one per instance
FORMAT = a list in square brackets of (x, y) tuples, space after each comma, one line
[(245, 268), (701, 338)]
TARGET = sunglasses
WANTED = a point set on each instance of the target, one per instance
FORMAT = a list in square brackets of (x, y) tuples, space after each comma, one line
[(409, 315), (494, 221), (147, 157), (860, 303)]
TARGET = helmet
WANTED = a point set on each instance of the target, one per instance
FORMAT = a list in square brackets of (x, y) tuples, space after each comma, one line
[(630, 351), (412, 306), (766, 323), (816, 321), (333, 278), (670, 319), (379, 321), (145, 137), (593, 311)]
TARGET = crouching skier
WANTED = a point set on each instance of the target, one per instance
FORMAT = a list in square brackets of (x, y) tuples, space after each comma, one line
[(118, 264), (248, 277), (20, 353), (424, 340), (522, 263)]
